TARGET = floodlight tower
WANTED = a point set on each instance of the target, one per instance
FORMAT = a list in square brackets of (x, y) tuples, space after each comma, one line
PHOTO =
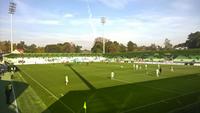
[(11, 11), (103, 21)]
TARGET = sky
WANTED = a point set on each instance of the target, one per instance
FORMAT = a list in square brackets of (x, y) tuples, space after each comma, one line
[(142, 21)]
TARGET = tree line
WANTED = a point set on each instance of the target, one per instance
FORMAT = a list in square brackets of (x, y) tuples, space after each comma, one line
[(33, 48), (193, 41), (115, 47)]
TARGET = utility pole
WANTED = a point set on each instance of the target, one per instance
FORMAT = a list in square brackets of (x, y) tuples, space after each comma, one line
[(11, 11), (103, 21)]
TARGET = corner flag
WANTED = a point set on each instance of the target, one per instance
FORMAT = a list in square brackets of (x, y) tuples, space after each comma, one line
[(85, 106)]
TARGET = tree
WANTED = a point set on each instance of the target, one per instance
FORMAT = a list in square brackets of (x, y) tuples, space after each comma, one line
[(67, 47), (72, 48), (180, 45), (62, 48), (21, 45), (193, 40), (131, 46), (52, 49), (97, 48), (40, 50), (122, 48), (152, 47), (113, 47), (108, 46), (167, 44), (159, 48), (98, 45), (31, 49), (116, 47), (142, 48), (5, 46), (78, 49)]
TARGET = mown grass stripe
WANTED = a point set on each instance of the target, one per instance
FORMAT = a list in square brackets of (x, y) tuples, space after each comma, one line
[(163, 100), (49, 92), (14, 96)]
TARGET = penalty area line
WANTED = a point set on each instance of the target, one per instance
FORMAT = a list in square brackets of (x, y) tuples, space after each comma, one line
[(124, 81)]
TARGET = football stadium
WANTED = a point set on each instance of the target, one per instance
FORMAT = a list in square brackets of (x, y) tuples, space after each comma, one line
[(103, 74)]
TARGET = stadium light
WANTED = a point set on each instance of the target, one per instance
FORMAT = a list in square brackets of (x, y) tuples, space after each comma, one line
[(103, 21), (11, 11)]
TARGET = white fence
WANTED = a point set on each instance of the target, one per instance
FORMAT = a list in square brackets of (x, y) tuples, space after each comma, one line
[(47, 60)]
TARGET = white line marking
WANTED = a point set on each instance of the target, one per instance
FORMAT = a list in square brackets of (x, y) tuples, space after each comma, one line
[(49, 92), (139, 107), (21, 77), (122, 81), (183, 107), (126, 100)]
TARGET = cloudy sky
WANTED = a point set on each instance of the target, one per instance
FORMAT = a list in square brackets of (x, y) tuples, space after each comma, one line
[(141, 21)]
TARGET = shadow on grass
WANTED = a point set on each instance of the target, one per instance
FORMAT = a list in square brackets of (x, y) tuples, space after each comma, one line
[(82, 78), (19, 87), (134, 98)]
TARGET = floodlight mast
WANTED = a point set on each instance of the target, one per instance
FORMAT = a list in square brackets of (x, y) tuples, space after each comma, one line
[(11, 11), (103, 21)]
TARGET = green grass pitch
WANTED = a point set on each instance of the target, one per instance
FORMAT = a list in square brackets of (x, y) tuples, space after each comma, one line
[(132, 91)]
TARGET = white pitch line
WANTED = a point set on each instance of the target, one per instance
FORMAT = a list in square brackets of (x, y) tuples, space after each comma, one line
[(21, 77), (139, 107), (180, 108), (50, 92), (122, 81)]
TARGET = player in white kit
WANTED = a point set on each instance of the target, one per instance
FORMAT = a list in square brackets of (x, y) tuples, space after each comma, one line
[(158, 66), (137, 67), (140, 67), (133, 66), (112, 75), (172, 69), (66, 80), (157, 72), (146, 66)]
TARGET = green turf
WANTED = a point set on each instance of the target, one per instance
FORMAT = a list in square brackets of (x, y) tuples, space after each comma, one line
[(18, 89), (28, 100), (132, 91)]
